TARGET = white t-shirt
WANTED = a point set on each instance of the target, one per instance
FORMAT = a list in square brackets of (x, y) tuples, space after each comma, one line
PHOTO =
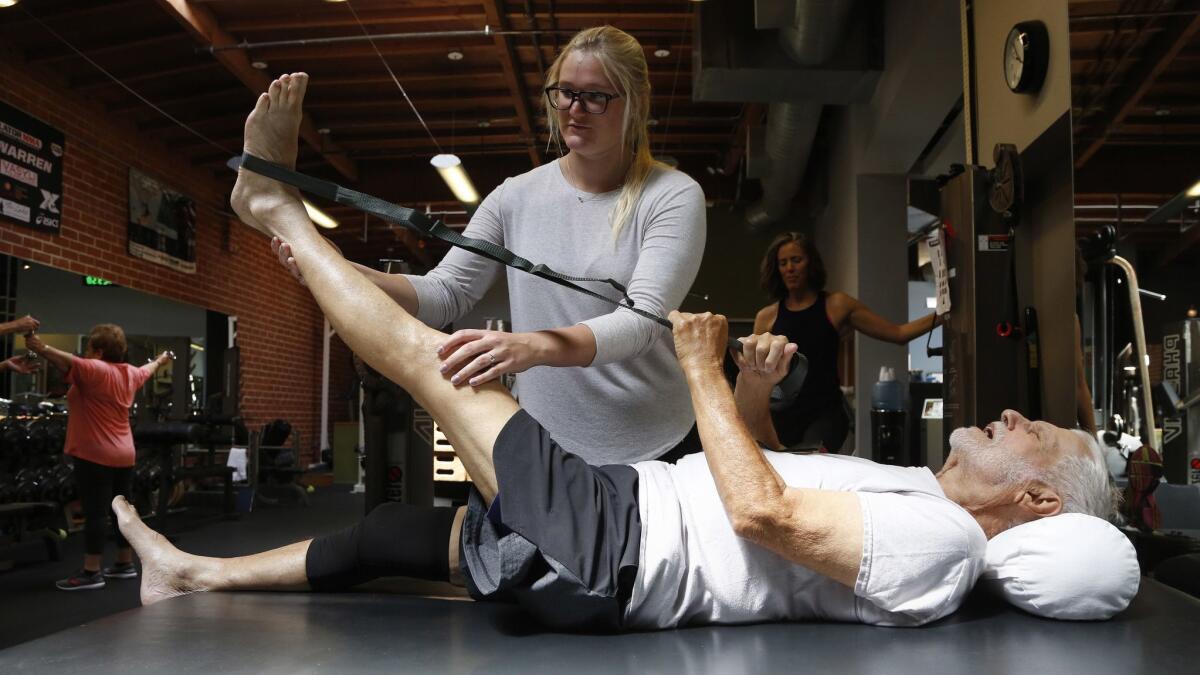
[(921, 552)]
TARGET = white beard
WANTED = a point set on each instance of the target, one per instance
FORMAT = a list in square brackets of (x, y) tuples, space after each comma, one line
[(984, 458)]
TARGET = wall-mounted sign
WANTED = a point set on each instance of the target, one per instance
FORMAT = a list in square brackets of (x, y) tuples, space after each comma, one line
[(31, 153), (941, 275), (162, 224), (990, 243), (89, 280)]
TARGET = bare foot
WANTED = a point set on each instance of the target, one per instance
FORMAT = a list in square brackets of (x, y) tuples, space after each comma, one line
[(271, 133), (167, 572)]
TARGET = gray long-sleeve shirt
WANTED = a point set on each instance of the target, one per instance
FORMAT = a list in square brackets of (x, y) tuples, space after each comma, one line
[(632, 403)]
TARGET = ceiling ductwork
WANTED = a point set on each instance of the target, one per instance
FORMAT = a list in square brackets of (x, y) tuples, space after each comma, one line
[(791, 128), (816, 59), (816, 29)]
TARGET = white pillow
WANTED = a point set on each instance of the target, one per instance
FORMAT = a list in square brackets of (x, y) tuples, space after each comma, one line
[(1069, 566)]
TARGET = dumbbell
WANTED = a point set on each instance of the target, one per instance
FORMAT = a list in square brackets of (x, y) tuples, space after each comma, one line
[(57, 483), (56, 434), (38, 437), (27, 486)]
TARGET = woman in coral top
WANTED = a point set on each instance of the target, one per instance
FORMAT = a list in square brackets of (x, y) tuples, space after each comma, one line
[(99, 440)]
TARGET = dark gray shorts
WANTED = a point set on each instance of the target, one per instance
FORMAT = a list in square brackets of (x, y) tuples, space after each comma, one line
[(562, 537)]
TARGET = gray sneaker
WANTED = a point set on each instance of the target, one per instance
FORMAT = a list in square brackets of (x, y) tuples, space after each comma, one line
[(82, 580), (121, 571)]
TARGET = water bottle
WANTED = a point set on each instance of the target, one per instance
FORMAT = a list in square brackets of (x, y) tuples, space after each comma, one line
[(888, 419)]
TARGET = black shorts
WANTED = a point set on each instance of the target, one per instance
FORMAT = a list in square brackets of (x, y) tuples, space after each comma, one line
[(562, 538)]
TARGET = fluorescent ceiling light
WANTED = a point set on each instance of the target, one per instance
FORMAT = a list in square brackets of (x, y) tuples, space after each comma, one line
[(318, 216), (451, 169), (1194, 191)]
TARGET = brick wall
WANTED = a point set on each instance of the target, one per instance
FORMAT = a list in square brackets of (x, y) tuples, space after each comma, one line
[(279, 325)]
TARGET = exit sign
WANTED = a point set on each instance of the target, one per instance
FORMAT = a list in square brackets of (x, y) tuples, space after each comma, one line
[(89, 280)]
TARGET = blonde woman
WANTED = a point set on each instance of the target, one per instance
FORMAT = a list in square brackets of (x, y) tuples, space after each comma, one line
[(605, 208)]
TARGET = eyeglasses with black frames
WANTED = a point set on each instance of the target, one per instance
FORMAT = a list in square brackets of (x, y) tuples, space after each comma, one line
[(593, 102)]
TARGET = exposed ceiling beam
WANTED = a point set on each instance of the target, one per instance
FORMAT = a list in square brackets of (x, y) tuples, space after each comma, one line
[(202, 25), (191, 98), (159, 123), (448, 81), (1141, 33), (512, 70), (631, 22), (467, 13), (1157, 57), (474, 50), (1182, 245), (148, 43), (96, 84), (84, 12), (337, 17)]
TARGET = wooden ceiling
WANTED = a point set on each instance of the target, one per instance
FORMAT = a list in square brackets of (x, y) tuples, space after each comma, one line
[(1135, 71), (1135, 68), (204, 61)]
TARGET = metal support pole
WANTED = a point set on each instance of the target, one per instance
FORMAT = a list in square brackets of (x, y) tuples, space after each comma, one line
[(361, 451), (1139, 337), (326, 332)]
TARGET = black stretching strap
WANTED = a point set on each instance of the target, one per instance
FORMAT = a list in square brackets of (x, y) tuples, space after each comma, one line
[(416, 220)]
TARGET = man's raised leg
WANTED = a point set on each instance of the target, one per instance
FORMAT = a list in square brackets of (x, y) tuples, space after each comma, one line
[(372, 324)]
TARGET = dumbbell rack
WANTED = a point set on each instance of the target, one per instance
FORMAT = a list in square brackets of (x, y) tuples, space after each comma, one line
[(35, 483)]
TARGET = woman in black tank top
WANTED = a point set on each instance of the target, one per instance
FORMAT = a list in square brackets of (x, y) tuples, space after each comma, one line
[(794, 275)]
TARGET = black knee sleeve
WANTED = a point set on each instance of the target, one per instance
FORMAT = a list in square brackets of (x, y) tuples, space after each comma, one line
[(393, 540)]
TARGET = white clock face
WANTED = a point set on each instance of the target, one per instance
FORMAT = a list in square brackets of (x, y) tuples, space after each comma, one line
[(1014, 58)]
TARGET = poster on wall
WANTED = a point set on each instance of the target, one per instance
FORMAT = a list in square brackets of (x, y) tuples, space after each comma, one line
[(162, 224), (31, 154)]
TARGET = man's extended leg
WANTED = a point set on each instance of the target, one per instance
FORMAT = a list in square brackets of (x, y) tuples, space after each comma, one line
[(168, 572), (371, 323), (393, 540)]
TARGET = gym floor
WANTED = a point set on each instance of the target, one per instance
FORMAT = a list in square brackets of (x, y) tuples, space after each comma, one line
[(33, 607)]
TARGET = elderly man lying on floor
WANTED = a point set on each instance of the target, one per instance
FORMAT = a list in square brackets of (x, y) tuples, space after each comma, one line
[(734, 535)]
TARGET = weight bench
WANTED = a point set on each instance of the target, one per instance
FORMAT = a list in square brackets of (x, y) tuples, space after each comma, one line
[(25, 520), (163, 437), (374, 632), (273, 465)]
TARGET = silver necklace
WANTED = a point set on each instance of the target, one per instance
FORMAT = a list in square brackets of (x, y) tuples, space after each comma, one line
[(580, 194)]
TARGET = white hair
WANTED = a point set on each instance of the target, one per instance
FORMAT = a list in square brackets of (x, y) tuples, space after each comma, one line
[(1083, 482)]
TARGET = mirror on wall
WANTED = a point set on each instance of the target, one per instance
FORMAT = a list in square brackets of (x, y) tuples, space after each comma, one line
[(68, 305)]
